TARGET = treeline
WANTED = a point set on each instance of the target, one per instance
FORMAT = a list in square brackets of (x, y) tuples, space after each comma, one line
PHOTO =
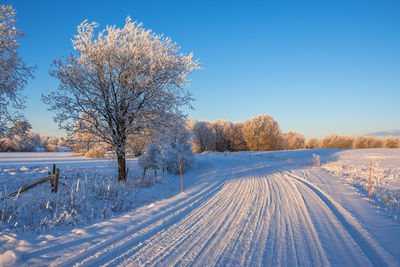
[(20, 138), (263, 133), (347, 142)]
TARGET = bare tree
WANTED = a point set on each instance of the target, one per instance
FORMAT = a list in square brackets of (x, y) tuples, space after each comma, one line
[(14, 74), (125, 80)]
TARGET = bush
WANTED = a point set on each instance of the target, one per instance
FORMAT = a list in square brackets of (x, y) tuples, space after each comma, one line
[(50, 148), (96, 152)]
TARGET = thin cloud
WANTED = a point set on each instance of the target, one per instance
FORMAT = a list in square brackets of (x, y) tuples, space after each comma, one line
[(386, 133)]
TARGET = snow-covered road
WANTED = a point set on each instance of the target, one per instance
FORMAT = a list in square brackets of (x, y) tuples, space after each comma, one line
[(278, 219), (255, 214)]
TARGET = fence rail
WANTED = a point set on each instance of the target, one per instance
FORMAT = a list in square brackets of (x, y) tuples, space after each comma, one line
[(52, 177)]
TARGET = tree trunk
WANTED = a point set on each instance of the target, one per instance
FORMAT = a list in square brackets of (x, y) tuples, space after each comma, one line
[(121, 166)]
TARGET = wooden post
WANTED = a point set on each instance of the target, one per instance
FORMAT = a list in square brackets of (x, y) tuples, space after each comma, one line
[(55, 188), (50, 179), (369, 182), (54, 168), (180, 169)]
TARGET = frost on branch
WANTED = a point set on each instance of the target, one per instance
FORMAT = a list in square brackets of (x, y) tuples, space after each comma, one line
[(125, 81), (14, 74)]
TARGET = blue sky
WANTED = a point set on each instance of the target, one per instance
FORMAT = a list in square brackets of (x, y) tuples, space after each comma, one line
[(317, 67)]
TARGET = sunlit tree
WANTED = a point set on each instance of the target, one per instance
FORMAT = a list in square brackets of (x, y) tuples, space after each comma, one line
[(125, 80)]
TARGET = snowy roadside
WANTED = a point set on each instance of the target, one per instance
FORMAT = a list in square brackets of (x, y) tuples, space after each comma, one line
[(353, 166), (89, 192)]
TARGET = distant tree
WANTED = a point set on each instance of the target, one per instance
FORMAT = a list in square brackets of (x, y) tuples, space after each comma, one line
[(14, 74), (360, 142), (312, 143), (125, 80), (82, 139), (338, 142), (236, 137), (374, 142), (220, 140), (293, 140), (203, 138), (390, 142), (262, 133)]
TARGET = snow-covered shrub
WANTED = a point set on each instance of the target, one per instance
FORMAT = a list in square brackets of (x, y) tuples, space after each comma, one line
[(96, 152), (171, 153), (152, 158), (164, 153), (316, 160)]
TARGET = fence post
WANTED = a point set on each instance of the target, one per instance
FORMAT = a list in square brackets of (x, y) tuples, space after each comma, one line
[(56, 180), (369, 182)]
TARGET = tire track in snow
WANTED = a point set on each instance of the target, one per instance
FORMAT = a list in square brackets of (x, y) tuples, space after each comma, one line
[(234, 227), (248, 221), (134, 234), (375, 253)]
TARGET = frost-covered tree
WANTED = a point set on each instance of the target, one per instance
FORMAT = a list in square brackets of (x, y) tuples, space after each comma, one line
[(390, 142), (360, 142), (262, 133), (312, 143), (374, 142), (293, 140), (21, 139), (125, 80), (21, 128), (14, 73), (203, 139), (335, 141)]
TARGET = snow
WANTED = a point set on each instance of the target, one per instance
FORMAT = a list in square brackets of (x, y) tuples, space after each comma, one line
[(353, 166), (244, 208)]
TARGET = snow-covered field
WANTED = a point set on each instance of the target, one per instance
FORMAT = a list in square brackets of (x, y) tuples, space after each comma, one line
[(247, 208)]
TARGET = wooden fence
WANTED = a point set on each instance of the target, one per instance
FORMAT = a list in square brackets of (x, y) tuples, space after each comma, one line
[(53, 177)]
